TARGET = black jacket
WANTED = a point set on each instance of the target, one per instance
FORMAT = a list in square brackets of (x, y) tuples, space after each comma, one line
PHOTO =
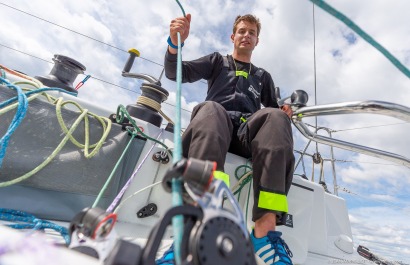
[(246, 97)]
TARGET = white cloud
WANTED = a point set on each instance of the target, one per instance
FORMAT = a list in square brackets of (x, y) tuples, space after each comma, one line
[(383, 230), (358, 72), (382, 197)]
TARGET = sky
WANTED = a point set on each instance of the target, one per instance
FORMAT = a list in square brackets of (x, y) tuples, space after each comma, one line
[(347, 69)]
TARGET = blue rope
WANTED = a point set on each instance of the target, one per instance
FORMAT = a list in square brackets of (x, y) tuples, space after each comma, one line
[(28, 221), (182, 9), (29, 93), (18, 117), (21, 111), (364, 35), (177, 221)]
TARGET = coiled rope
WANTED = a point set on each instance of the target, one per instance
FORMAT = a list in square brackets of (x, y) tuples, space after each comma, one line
[(122, 113), (105, 123), (60, 103), (154, 104)]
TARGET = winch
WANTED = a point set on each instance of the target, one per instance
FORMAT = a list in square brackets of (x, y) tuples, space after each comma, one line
[(212, 234)]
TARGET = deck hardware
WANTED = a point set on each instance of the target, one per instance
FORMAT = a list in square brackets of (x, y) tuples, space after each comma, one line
[(161, 156), (195, 172), (147, 210), (317, 158)]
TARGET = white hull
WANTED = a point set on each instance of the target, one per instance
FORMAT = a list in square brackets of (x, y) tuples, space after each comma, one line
[(321, 232)]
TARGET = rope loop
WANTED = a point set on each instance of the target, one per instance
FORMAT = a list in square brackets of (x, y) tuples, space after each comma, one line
[(122, 113), (22, 106)]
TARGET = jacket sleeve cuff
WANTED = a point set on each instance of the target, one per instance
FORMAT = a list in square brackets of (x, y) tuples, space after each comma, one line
[(171, 57)]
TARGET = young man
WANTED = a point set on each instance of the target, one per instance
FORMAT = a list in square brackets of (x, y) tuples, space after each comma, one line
[(231, 119)]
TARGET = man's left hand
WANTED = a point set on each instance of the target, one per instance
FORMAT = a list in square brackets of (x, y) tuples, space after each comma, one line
[(288, 110)]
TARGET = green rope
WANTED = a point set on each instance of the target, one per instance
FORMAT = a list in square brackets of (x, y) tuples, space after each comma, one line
[(322, 4), (122, 113), (105, 122), (104, 188), (30, 98), (247, 203), (240, 167), (28, 82), (59, 104), (244, 180), (48, 160), (243, 183)]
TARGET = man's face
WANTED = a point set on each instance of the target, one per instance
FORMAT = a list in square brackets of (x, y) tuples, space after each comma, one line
[(245, 37)]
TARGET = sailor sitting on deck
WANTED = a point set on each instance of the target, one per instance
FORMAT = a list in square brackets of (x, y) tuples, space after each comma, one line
[(231, 120)]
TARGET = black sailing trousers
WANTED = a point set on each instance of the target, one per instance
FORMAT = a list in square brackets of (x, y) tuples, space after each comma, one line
[(266, 137)]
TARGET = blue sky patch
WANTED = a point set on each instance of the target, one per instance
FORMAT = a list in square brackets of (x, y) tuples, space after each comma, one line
[(350, 37), (336, 53)]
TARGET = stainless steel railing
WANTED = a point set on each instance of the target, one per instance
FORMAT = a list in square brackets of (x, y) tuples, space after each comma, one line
[(372, 107)]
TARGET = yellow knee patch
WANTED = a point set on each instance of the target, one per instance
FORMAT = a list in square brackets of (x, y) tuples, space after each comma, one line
[(222, 176)]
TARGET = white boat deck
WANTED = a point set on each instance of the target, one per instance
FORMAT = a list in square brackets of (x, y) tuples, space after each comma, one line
[(320, 234)]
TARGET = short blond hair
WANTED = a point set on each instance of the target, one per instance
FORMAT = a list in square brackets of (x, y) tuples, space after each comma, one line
[(248, 18)]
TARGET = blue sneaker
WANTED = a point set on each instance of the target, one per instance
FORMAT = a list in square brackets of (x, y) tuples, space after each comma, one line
[(168, 257), (272, 249)]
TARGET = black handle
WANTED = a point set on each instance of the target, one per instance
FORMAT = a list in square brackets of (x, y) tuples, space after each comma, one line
[(133, 53)]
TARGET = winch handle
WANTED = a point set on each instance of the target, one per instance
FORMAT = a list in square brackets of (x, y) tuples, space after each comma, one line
[(133, 53), (128, 65)]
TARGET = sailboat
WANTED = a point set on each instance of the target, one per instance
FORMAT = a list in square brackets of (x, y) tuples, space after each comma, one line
[(317, 230)]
